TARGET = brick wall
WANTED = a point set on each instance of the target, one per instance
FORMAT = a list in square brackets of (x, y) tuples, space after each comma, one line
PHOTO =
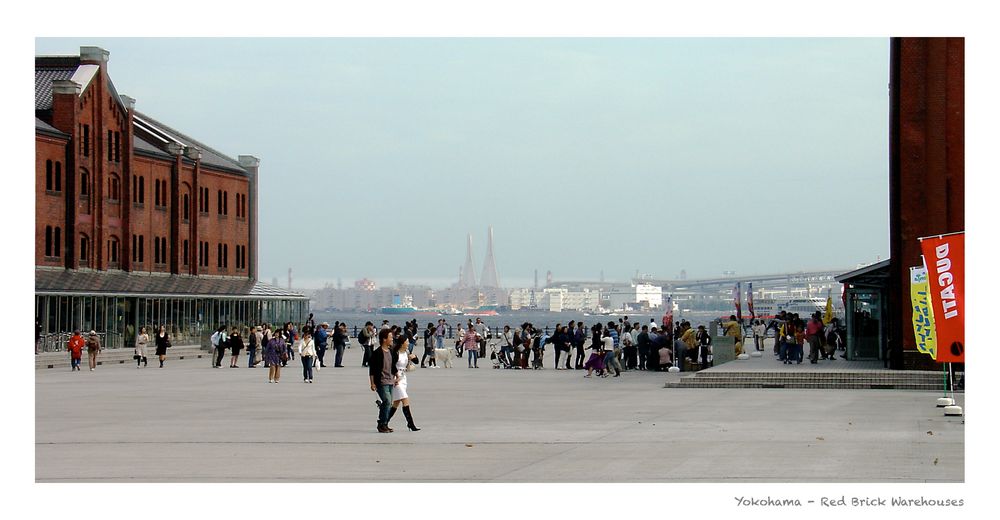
[(927, 168), (99, 218)]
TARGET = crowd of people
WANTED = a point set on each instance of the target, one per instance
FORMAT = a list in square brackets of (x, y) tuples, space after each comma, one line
[(387, 352)]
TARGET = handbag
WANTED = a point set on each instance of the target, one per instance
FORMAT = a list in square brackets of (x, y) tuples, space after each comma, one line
[(411, 366)]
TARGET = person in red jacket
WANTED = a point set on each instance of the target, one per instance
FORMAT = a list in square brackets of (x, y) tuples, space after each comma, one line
[(75, 348)]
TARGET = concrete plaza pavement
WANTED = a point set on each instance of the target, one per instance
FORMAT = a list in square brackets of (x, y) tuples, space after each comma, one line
[(189, 422)]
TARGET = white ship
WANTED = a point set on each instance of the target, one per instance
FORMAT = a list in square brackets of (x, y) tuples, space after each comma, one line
[(804, 307)]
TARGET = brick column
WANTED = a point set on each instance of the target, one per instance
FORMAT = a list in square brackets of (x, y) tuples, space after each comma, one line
[(251, 165), (926, 168), (65, 117)]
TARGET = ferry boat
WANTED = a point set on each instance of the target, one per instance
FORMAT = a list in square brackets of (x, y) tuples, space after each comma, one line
[(804, 307), (397, 309)]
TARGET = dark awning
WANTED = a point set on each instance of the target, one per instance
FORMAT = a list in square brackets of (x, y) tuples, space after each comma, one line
[(875, 275), (121, 283)]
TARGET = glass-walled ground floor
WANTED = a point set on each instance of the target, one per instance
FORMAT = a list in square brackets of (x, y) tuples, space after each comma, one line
[(189, 320)]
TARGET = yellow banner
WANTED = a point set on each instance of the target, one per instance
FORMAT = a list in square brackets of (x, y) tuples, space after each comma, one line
[(923, 315)]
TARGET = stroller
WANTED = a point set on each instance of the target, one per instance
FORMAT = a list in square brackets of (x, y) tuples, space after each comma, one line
[(500, 358)]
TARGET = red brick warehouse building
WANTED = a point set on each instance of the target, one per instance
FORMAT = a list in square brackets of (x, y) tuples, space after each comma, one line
[(137, 224)]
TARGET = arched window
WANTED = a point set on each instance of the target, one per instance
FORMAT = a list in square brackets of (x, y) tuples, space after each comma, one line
[(186, 208), (218, 259), (225, 203), (48, 175), (57, 243), (220, 203), (113, 251), (225, 256), (114, 189), (58, 176), (48, 240), (142, 190)]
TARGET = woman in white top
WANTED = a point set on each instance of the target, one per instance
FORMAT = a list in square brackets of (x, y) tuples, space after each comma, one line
[(399, 395), (307, 353), (140, 347)]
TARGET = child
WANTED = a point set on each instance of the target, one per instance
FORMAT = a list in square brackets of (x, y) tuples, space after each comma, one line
[(75, 349)]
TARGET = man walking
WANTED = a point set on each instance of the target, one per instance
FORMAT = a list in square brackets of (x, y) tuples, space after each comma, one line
[(339, 343), (382, 373), (320, 338)]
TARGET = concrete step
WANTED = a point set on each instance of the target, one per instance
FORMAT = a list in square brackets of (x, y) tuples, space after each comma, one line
[(894, 379), (693, 383), (118, 357)]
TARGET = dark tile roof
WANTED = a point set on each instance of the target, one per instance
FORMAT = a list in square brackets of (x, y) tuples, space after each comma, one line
[(143, 146), (42, 126), (43, 84), (120, 282), (209, 156)]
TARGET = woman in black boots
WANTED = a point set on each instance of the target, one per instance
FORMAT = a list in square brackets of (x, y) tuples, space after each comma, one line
[(399, 395)]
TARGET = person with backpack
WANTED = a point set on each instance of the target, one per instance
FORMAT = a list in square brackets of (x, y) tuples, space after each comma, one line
[(218, 340)]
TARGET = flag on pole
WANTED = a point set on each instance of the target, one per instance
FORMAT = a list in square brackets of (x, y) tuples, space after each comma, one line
[(923, 318), (736, 301), (668, 313), (828, 315), (944, 258)]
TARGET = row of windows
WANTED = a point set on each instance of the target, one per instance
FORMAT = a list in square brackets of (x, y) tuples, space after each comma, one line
[(53, 249), (114, 144), (53, 182)]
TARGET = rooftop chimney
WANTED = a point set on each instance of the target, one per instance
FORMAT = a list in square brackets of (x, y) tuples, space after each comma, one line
[(192, 152), (175, 148), (129, 102), (94, 54), (65, 86)]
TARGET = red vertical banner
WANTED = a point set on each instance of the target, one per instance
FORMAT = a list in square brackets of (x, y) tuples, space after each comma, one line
[(944, 257)]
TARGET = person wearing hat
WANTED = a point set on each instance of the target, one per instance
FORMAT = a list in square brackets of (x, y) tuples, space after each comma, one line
[(93, 348), (75, 348)]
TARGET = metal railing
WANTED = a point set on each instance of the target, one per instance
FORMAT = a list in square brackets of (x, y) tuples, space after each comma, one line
[(58, 341)]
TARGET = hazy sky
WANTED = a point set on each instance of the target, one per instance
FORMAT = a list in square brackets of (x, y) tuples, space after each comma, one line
[(753, 155)]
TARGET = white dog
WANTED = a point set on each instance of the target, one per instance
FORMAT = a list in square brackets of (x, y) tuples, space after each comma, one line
[(444, 355)]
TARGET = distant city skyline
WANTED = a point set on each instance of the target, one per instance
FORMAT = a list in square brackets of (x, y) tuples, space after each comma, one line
[(585, 154)]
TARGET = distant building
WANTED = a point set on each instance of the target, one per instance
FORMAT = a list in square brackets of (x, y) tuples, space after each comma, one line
[(641, 295), (137, 224)]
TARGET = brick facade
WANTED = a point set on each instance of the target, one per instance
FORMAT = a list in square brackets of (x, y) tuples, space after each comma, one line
[(927, 169), (128, 186)]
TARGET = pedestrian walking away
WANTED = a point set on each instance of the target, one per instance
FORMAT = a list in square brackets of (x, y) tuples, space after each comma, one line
[(93, 349), (75, 347)]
